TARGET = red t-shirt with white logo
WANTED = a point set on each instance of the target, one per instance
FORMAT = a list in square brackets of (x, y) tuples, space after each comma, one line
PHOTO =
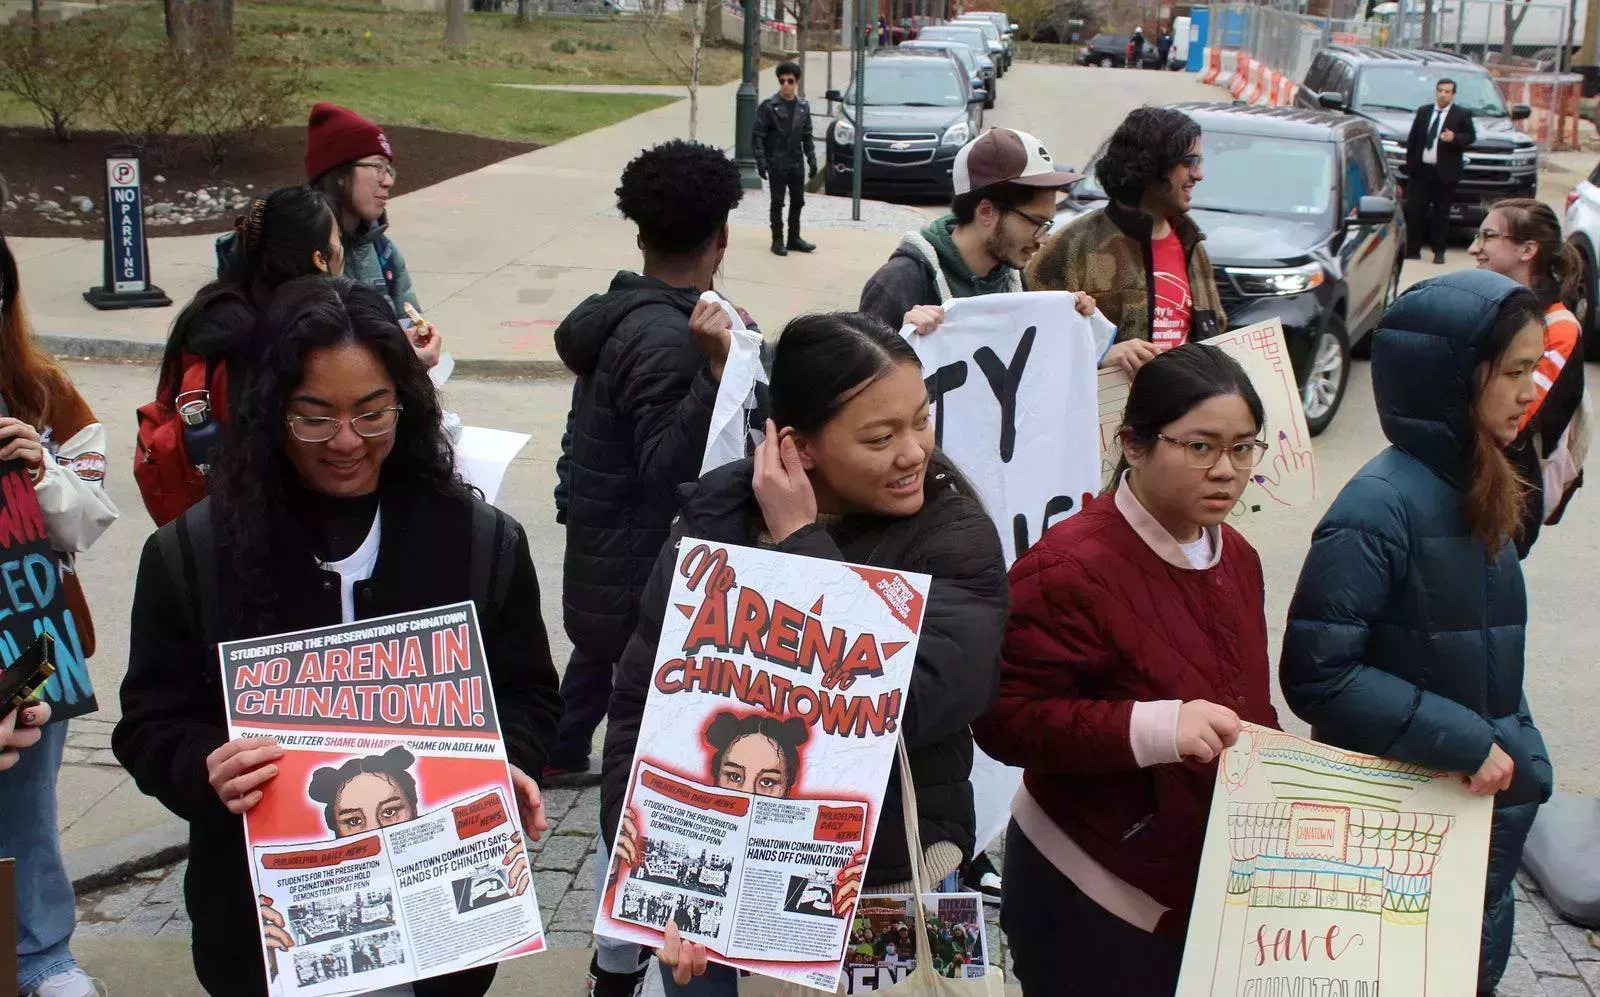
[(1169, 326)]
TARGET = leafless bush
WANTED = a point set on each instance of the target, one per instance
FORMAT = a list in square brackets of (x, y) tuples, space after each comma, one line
[(59, 67)]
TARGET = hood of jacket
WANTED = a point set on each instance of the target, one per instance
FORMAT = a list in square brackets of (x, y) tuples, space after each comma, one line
[(933, 248), (367, 231), (1425, 356), (583, 333)]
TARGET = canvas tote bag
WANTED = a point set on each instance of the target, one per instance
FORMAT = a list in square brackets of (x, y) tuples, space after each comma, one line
[(922, 981)]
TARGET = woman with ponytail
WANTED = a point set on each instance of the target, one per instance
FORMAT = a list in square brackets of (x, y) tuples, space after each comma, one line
[(1521, 238), (1406, 633)]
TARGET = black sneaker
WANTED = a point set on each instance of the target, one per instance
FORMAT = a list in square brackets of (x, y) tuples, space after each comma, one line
[(799, 245), (607, 984), (980, 876), (778, 248)]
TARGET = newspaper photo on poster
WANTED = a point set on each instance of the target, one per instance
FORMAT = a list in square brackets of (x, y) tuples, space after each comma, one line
[(762, 757), (884, 948), (388, 848)]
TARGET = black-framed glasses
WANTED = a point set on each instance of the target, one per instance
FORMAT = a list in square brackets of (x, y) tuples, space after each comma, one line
[(1205, 454), (382, 168), (322, 428), (1040, 225)]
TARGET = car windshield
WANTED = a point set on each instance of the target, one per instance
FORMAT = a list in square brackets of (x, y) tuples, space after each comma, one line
[(910, 83), (971, 37), (957, 51), (987, 27), (1256, 175), (1406, 88)]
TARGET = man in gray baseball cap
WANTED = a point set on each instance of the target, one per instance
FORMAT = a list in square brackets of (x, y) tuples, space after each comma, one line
[(1005, 186)]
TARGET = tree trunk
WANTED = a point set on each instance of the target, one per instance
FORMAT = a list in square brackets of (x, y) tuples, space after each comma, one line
[(199, 25), (802, 37), (1512, 22), (524, 10), (1427, 23), (455, 24), (697, 30)]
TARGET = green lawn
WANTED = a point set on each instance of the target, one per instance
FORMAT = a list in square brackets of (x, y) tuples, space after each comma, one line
[(395, 67)]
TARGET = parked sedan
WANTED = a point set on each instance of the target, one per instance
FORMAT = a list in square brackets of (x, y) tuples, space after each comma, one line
[(1105, 50), (1301, 225), (973, 38), (963, 58), (919, 110), (994, 38)]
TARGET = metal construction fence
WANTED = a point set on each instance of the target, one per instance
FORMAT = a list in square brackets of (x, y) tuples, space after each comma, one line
[(1262, 52)]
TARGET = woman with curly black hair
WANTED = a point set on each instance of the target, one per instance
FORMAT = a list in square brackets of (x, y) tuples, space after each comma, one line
[(648, 355), (1141, 256), (336, 500)]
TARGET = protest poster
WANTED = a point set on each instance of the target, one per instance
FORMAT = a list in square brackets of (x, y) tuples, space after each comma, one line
[(1287, 475), (389, 847), (762, 757), (483, 456), (1330, 872), (35, 599), (1011, 378), (884, 948)]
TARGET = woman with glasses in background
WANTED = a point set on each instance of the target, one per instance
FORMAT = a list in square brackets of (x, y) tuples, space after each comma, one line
[(336, 500), (350, 160), (1137, 644)]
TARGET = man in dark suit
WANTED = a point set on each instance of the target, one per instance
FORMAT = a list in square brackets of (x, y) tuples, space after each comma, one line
[(1439, 135)]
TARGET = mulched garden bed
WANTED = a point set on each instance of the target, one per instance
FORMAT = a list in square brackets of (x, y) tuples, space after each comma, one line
[(32, 162)]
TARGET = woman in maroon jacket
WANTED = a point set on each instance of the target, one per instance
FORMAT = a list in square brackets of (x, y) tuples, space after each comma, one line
[(1136, 644)]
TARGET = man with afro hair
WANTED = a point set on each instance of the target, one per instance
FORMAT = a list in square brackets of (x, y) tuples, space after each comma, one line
[(648, 355)]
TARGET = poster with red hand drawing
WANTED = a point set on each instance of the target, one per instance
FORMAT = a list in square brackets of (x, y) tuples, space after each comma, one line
[(1330, 872), (762, 759), (388, 848), (1287, 475)]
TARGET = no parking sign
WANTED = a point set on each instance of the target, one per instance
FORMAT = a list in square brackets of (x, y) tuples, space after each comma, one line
[(127, 256)]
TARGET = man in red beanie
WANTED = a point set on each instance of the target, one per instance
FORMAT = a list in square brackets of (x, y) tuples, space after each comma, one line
[(349, 159)]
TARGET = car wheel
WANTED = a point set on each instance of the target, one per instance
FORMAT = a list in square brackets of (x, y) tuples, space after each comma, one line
[(1327, 370)]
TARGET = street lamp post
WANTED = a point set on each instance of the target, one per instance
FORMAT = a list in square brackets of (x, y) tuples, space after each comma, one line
[(745, 103)]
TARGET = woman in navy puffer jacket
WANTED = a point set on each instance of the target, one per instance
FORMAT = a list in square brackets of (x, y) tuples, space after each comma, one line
[(1405, 635)]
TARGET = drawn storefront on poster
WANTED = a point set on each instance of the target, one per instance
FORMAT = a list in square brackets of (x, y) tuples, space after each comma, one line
[(1332, 872)]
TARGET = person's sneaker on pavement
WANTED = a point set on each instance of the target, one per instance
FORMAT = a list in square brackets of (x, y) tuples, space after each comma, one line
[(603, 983), (73, 983), (566, 765), (982, 877)]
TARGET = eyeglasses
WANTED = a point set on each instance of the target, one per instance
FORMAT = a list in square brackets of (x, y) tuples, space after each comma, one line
[(382, 168), (1040, 225), (1485, 234), (1205, 454), (322, 428), (1193, 161)]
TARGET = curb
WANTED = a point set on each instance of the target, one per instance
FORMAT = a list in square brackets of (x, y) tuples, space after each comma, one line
[(137, 351), (99, 866)]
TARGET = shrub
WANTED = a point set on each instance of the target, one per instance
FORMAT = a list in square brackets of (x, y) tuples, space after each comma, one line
[(595, 46), (563, 46), (237, 97), (59, 67)]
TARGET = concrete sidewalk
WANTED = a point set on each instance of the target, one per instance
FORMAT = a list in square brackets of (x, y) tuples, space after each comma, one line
[(500, 255)]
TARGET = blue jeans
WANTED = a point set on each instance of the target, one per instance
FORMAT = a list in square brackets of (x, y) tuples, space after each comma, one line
[(723, 981), (45, 911)]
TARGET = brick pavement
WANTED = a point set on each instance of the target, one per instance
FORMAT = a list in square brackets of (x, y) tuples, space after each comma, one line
[(151, 903), (1551, 958)]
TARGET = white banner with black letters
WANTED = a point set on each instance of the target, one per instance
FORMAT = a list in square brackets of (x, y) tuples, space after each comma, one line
[(1012, 379)]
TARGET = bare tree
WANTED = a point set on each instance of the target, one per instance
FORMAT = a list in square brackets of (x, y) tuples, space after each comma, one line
[(802, 32), (199, 24), (1511, 22), (524, 10), (696, 9), (455, 23)]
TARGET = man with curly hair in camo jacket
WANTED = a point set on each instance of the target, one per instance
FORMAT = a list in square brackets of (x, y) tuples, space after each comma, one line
[(1141, 257)]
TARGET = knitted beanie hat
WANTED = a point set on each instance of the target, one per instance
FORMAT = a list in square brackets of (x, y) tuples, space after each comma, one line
[(337, 135)]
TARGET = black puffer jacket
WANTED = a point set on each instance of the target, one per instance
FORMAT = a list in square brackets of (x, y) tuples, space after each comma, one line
[(958, 654), (640, 414), (172, 698)]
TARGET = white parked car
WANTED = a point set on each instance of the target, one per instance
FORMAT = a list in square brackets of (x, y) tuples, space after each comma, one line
[(1581, 227)]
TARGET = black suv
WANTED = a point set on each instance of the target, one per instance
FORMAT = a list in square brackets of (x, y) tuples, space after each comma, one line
[(1386, 86), (1301, 225), (918, 110)]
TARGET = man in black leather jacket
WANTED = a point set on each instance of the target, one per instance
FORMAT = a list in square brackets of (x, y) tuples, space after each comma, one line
[(782, 133)]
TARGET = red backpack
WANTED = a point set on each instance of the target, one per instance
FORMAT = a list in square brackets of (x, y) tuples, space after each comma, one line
[(169, 480)]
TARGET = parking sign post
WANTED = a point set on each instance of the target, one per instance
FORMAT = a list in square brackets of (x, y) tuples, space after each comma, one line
[(127, 254)]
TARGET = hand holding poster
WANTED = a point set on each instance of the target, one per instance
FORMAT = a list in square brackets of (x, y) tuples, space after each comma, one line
[(1317, 860), (762, 757), (1288, 474), (388, 848)]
